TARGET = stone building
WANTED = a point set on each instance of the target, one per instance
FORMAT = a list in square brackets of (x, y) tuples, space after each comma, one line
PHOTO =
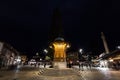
[(8, 55), (111, 59), (73, 56)]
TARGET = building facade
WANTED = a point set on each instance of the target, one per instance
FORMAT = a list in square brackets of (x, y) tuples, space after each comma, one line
[(111, 60), (72, 56), (8, 55)]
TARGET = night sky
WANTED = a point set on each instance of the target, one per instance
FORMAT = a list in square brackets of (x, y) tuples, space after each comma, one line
[(26, 24)]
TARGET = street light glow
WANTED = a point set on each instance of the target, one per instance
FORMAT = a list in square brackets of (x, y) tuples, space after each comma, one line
[(68, 46), (118, 47), (50, 46), (80, 50), (45, 51)]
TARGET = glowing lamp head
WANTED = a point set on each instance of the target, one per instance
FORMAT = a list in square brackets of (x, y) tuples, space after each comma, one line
[(68, 46), (45, 51)]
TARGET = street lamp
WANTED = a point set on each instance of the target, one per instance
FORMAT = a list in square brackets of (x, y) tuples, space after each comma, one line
[(40, 59), (37, 54), (81, 50), (118, 47), (45, 50)]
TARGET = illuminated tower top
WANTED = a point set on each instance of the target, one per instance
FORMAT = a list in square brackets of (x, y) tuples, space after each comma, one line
[(59, 45)]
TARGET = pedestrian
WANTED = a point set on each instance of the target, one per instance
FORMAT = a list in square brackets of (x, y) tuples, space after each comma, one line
[(82, 65), (114, 65), (79, 65), (35, 64), (38, 64), (70, 64), (45, 65)]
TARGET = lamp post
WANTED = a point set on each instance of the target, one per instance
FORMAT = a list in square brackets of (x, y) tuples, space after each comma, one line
[(80, 54), (45, 51)]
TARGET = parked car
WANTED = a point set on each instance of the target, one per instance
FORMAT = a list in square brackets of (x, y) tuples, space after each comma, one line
[(32, 62)]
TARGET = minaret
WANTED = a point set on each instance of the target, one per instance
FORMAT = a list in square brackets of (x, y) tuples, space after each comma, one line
[(105, 43), (56, 29)]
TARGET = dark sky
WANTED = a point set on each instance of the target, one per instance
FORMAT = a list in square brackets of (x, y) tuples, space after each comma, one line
[(25, 24)]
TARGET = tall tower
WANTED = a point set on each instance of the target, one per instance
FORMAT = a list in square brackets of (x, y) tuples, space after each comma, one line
[(57, 42), (56, 29), (105, 43)]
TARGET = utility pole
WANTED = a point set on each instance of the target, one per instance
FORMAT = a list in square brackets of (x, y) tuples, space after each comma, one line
[(105, 43)]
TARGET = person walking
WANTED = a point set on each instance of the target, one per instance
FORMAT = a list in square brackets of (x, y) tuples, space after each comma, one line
[(44, 64)]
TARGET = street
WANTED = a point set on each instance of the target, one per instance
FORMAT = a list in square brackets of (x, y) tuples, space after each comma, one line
[(98, 74), (35, 73)]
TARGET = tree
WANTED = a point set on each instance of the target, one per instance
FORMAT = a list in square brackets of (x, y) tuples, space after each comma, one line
[(47, 58)]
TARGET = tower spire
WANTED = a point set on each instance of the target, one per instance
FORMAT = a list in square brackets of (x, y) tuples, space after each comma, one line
[(105, 43), (56, 29)]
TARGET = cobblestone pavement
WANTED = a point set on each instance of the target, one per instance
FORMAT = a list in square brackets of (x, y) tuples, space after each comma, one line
[(58, 73), (62, 74), (97, 73), (32, 73)]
